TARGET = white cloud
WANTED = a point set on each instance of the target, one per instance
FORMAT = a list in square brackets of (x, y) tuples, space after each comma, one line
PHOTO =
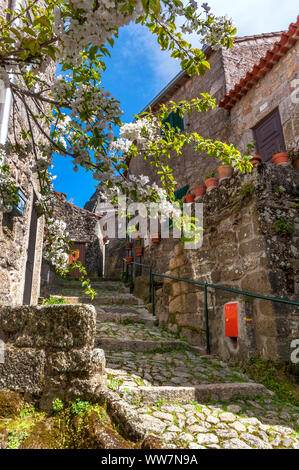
[(257, 16), (250, 16)]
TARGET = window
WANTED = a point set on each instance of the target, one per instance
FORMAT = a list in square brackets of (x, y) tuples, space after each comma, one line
[(175, 120), (178, 196), (269, 136)]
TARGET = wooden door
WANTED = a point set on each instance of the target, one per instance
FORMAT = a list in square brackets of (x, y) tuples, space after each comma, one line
[(269, 136), (30, 253)]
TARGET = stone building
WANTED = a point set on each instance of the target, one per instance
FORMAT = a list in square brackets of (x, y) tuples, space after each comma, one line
[(84, 230), (113, 248), (21, 233), (251, 224)]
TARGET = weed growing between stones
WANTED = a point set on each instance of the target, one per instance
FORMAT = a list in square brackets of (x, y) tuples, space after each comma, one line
[(284, 226), (54, 300), (245, 191), (276, 378)]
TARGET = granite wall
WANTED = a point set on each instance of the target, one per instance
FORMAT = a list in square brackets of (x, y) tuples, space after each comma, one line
[(250, 243), (49, 352)]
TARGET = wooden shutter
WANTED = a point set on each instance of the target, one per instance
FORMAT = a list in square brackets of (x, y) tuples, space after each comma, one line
[(175, 120), (269, 136), (178, 121)]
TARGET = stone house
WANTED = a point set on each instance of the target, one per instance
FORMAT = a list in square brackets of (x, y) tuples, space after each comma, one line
[(21, 233), (251, 224), (113, 248), (84, 230)]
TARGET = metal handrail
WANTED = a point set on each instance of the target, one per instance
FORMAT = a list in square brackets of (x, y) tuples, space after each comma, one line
[(205, 285)]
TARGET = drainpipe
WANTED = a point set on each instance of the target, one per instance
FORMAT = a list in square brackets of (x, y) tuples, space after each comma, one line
[(4, 122)]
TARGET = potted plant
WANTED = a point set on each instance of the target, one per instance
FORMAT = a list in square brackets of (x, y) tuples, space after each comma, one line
[(225, 170), (255, 157), (280, 158), (189, 197), (199, 189), (211, 181), (155, 237), (129, 259), (294, 157), (138, 251)]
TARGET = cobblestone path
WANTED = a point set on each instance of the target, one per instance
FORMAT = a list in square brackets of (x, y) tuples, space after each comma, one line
[(166, 381)]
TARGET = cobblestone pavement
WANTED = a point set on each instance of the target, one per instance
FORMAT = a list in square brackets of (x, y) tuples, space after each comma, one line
[(133, 332), (243, 423), (262, 423), (175, 368)]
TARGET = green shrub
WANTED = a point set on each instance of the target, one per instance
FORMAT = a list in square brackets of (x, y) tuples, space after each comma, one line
[(52, 300), (79, 406), (57, 405)]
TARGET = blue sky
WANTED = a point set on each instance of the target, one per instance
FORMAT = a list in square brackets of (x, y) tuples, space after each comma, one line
[(138, 70)]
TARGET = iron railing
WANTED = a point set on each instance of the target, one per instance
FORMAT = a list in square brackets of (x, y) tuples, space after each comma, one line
[(206, 286)]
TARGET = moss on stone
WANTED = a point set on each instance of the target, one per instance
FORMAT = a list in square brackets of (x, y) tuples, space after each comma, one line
[(11, 404)]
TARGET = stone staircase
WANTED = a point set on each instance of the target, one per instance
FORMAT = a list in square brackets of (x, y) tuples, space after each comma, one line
[(147, 361), (179, 394)]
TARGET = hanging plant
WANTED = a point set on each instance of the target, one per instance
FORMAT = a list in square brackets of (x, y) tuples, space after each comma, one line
[(8, 190)]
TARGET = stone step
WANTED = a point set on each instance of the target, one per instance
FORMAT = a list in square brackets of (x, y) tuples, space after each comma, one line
[(125, 299), (111, 344), (203, 393), (124, 315), (98, 286), (76, 291)]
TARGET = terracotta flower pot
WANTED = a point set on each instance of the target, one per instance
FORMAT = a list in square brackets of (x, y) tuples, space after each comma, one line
[(139, 250), (129, 246), (256, 159), (281, 158), (155, 237), (225, 171), (189, 198), (199, 190), (211, 183), (129, 259)]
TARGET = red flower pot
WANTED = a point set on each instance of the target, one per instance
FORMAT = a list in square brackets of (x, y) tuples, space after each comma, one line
[(211, 183), (225, 171), (189, 198), (199, 190), (281, 158), (256, 159), (139, 250), (129, 246), (129, 259), (155, 237)]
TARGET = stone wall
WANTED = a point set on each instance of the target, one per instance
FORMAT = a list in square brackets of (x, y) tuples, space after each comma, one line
[(15, 230), (49, 352), (244, 247)]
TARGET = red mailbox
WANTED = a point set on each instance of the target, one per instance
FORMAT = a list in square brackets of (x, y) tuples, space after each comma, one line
[(231, 320)]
